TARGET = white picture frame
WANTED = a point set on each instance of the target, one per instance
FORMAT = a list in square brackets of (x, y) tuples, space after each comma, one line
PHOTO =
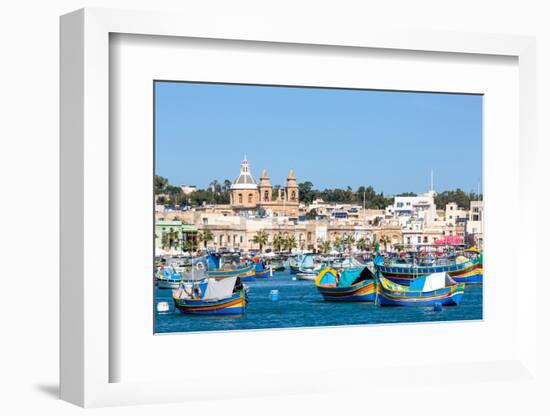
[(87, 355)]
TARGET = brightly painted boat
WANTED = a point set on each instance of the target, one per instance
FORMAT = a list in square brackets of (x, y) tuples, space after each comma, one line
[(301, 263), (261, 271), (429, 290), (347, 263), (277, 265), (349, 285), (218, 270), (212, 297), (462, 269), (167, 278)]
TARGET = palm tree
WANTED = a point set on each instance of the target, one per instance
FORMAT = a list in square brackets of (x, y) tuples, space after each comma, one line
[(169, 239), (325, 247), (348, 241), (290, 243), (362, 244), (338, 243), (261, 239), (205, 237), (385, 240), (278, 242)]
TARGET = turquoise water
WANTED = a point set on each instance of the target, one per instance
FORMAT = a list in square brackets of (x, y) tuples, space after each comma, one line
[(301, 305)]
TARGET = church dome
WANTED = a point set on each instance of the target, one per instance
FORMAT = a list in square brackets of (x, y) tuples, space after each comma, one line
[(245, 180)]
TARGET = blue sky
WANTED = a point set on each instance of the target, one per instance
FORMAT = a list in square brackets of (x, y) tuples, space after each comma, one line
[(331, 137)]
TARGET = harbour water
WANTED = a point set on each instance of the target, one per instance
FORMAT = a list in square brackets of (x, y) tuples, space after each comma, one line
[(299, 304)]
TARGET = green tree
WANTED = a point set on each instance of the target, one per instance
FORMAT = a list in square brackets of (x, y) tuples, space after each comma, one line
[(170, 239), (290, 243), (349, 241), (205, 237), (306, 192), (325, 247), (362, 244), (311, 214), (278, 242), (338, 244), (160, 184), (261, 238), (385, 240)]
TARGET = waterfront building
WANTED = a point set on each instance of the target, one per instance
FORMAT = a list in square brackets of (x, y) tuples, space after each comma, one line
[(180, 234)]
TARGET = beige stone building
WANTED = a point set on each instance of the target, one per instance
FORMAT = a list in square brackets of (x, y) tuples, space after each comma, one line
[(247, 196)]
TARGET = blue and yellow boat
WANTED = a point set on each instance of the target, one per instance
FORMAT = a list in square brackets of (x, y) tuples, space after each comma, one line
[(261, 271), (348, 285), (212, 297), (429, 290), (217, 270), (167, 278), (462, 269)]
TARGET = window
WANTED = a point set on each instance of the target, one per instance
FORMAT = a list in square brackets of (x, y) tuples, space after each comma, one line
[(425, 239), (408, 240), (450, 217), (293, 196), (240, 198), (266, 196), (241, 239), (418, 239), (249, 198)]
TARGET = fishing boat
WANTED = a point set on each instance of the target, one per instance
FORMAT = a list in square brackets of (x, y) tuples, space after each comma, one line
[(212, 297), (349, 285), (428, 290), (277, 265), (261, 270), (167, 278), (347, 263), (306, 276), (218, 270), (301, 263), (403, 271)]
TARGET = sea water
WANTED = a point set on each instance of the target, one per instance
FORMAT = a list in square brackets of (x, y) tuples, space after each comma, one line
[(299, 304)]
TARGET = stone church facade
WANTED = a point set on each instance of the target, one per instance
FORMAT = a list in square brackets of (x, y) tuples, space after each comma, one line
[(248, 196)]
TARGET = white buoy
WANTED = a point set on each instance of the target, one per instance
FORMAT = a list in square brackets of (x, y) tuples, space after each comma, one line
[(270, 270), (163, 307)]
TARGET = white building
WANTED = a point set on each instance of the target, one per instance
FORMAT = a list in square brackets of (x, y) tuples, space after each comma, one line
[(475, 221), (453, 213), (188, 189), (407, 208)]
